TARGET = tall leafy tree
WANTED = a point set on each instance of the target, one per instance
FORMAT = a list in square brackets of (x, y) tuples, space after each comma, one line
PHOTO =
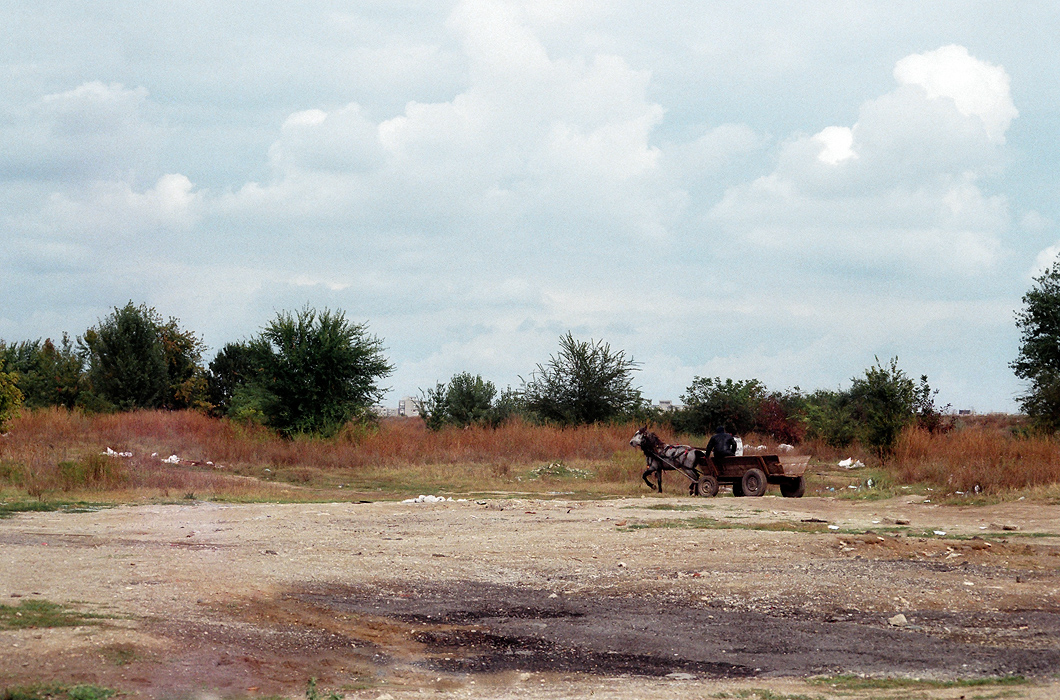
[(10, 397), (49, 374), (136, 360), (467, 400), (316, 371), (1038, 361), (710, 402), (585, 382)]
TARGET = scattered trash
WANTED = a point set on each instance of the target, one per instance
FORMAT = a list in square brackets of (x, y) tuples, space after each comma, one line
[(427, 499), (939, 532), (111, 453), (851, 463), (171, 459), (784, 447), (833, 527)]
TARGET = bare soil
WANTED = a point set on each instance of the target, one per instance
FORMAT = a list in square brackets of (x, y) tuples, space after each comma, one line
[(514, 597)]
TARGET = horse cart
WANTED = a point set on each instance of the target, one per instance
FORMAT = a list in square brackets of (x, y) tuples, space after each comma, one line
[(749, 475)]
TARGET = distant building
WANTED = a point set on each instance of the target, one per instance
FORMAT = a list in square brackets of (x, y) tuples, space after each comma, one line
[(384, 411), (666, 406), (408, 407)]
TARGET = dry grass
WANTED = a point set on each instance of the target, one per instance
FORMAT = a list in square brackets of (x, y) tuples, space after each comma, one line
[(993, 459), (54, 453)]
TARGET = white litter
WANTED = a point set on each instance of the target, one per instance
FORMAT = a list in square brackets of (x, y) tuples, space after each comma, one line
[(111, 453), (833, 527), (851, 463), (939, 532), (427, 499), (171, 459), (784, 447)]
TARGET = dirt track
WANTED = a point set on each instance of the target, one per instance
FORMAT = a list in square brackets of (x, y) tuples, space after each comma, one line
[(675, 596)]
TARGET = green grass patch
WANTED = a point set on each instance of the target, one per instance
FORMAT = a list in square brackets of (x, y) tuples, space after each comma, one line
[(558, 470), (9, 509), (57, 691), (42, 613), (849, 682)]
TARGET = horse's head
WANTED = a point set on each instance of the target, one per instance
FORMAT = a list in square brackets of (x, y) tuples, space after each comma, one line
[(644, 439)]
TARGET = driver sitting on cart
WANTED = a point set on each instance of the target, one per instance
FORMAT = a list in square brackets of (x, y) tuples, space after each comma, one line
[(721, 444)]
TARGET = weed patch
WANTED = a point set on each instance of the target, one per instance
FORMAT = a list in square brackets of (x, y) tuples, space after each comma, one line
[(42, 613), (57, 691)]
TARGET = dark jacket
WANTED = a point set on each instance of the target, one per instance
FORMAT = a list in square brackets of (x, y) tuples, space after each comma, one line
[(722, 444)]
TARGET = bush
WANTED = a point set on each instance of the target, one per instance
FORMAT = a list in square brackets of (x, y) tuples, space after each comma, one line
[(10, 398), (137, 361), (49, 375), (585, 383), (467, 400), (710, 402), (884, 402), (312, 373)]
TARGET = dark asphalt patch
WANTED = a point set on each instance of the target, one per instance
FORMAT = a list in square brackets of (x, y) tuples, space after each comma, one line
[(477, 627)]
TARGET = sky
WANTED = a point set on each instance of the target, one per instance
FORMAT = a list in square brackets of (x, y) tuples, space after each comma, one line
[(784, 191)]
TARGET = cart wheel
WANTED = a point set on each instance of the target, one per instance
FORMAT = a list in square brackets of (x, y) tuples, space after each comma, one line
[(707, 486), (753, 482), (793, 487)]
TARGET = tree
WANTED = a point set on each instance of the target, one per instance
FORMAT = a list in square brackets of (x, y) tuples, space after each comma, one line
[(884, 403), (586, 382), (135, 360), (235, 365), (467, 400), (10, 397), (316, 371), (710, 402), (1038, 361), (48, 375)]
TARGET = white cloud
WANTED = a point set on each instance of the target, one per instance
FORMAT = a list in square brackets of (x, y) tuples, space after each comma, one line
[(95, 130), (899, 190), (837, 144), (976, 87)]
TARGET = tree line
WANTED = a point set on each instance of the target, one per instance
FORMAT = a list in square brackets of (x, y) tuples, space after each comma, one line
[(313, 372)]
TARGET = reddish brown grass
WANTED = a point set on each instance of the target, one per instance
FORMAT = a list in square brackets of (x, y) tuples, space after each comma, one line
[(58, 451), (988, 457)]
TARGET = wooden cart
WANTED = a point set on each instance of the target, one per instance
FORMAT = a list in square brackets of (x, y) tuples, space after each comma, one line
[(749, 475)]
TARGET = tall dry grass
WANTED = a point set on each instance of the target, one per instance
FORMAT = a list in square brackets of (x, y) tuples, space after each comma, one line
[(993, 459), (55, 450)]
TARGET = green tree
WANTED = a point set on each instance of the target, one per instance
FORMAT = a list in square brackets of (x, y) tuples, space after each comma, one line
[(10, 397), (830, 417), (710, 402), (883, 402), (317, 372), (135, 360), (585, 382), (49, 374), (467, 400), (1038, 361), (235, 365)]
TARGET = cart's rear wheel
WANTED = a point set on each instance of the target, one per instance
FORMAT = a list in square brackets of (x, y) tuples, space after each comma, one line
[(753, 482), (707, 486), (793, 487)]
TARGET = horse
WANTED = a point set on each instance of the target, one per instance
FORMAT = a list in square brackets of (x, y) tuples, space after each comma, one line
[(661, 457)]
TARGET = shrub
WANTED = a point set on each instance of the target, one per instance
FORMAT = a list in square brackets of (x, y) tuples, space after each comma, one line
[(710, 402), (10, 398), (467, 400), (313, 372), (137, 361), (585, 382)]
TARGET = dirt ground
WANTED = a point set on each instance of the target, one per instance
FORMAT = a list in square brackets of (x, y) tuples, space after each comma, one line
[(516, 597)]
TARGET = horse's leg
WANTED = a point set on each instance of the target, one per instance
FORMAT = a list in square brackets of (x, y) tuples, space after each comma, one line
[(644, 476)]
